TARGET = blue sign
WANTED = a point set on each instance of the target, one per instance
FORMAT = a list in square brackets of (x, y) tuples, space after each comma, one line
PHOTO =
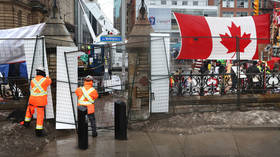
[(110, 38)]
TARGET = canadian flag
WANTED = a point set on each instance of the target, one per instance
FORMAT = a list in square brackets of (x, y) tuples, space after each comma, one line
[(221, 37)]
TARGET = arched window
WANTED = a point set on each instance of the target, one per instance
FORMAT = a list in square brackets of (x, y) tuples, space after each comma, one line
[(19, 15)]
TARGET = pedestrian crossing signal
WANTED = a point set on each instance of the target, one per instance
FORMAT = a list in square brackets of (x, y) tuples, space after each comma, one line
[(255, 6)]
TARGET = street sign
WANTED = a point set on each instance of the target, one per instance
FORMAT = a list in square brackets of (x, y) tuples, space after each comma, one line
[(108, 38)]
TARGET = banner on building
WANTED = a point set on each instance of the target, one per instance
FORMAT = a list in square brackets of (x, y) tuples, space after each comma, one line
[(160, 18)]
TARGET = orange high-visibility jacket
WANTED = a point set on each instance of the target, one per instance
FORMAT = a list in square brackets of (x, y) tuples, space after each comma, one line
[(93, 95), (38, 93)]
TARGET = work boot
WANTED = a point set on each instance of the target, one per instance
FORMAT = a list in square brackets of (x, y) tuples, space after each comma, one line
[(94, 134), (40, 133), (26, 124)]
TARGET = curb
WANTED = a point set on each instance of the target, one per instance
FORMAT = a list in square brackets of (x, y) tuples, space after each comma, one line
[(249, 128)]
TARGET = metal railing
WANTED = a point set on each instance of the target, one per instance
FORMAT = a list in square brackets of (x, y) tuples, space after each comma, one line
[(224, 84)]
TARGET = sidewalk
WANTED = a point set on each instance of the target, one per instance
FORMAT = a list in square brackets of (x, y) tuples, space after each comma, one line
[(237, 143)]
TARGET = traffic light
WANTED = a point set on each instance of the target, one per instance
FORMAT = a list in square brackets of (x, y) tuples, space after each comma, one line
[(255, 6)]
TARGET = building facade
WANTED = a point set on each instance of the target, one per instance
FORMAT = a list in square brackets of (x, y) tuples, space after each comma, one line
[(66, 10), (18, 13), (130, 15), (160, 12), (233, 8), (237, 8)]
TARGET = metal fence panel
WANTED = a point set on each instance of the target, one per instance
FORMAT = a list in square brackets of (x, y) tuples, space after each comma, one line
[(64, 109), (159, 66), (35, 57)]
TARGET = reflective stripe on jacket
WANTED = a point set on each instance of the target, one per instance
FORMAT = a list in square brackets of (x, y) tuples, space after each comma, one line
[(38, 87), (87, 95), (85, 99), (38, 93)]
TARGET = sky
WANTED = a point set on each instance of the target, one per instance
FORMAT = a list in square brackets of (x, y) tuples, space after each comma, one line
[(107, 7)]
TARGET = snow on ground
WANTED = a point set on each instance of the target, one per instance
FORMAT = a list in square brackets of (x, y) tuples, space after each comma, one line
[(208, 121)]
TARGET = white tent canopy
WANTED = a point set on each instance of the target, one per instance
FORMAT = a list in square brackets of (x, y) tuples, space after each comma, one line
[(12, 42)]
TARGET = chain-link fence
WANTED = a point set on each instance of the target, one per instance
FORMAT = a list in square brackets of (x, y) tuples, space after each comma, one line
[(73, 67), (160, 78)]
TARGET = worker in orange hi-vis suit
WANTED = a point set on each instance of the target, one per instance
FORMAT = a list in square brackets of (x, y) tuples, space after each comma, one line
[(38, 100), (86, 97)]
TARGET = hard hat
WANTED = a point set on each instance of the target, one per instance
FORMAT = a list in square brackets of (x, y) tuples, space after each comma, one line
[(40, 68), (88, 78)]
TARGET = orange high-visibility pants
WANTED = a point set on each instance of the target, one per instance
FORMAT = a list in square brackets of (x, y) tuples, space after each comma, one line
[(40, 115)]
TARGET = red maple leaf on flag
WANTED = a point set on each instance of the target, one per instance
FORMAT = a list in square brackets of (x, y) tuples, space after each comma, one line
[(230, 41)]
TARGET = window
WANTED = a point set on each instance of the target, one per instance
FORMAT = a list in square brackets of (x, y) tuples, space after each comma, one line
[(29, 20), (152, 3), (173, 22), (174, 2), (163, 2), (185, 3), (228, 3), (260, 3), (19, 16), (242, 3), (238, 14), (210, 13), (195, 3), (174, 25), (227, 14), (264, 4)]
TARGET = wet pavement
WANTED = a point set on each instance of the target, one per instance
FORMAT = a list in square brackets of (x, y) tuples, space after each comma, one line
[(237, 143), (104, 110)]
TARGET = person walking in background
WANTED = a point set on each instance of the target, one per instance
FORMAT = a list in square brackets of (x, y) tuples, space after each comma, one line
[(38, 100), (204, 67), (276, 67), (262, 67), (86, 97), (252, 75)]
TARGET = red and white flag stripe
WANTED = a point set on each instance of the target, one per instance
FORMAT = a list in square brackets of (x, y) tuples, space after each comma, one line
[(221, 37)]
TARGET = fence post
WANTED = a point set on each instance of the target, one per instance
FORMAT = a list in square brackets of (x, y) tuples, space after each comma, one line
[(238, 70), (70, 89), (32, 66), (264, 80), (191, 86), (223, 85), (201, 93)]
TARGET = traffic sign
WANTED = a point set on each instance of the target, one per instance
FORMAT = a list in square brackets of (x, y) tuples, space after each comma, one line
[(109, 38)]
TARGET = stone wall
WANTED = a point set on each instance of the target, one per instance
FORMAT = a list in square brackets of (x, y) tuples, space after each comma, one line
[(27, 12), (67, 11), (223, 103), (20, 13)]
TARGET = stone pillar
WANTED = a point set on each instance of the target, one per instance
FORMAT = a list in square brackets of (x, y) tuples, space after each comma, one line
[(56, 34), (138, 48)]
